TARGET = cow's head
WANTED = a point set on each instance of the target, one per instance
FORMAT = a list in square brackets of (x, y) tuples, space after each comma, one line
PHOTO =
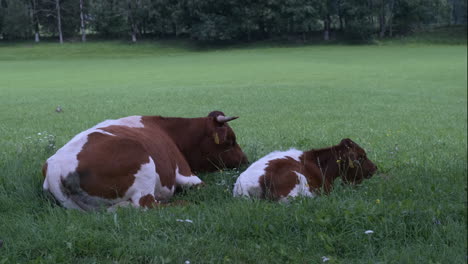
[(218, 147), (354, 164)]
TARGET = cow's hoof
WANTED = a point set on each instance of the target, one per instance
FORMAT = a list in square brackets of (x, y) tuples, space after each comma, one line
[(200, 185)]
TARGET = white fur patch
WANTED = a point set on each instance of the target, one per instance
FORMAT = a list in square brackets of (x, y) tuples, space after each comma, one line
[(163, 193), (104, 132), (248, 184), (186, 181), (65, 161), (129, 121), (144, 184)]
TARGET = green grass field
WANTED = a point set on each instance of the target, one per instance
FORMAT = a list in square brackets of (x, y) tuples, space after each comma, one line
[(406, 104)]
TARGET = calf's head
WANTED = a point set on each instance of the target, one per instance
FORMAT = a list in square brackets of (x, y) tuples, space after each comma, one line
[(218, 147), (353, 162)]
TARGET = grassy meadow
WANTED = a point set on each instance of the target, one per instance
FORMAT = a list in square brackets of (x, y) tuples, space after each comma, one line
[(406, 104)]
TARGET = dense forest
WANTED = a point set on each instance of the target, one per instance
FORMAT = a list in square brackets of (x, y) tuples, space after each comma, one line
[(227, 20)]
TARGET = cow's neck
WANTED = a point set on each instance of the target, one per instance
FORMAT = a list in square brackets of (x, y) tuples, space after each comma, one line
[(325, 160), (185, 132)]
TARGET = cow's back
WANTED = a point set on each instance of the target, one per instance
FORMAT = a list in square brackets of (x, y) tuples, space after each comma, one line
[(107, 158), (251, 183)]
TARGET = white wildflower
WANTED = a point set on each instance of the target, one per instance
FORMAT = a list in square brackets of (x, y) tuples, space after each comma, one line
[(39, 133), (186, 220), (187, 262), (368, 232), (325, 259)]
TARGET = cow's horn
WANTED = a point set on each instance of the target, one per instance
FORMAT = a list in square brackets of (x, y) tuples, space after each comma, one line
[(224, 119)]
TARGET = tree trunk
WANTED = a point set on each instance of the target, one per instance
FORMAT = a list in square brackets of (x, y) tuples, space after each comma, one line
[(35, 20), (382, 21), (326, 27), (340, 15), (382, 26), (341, 23), (59, 21), (390, 19), (132, 21), (82, 25)]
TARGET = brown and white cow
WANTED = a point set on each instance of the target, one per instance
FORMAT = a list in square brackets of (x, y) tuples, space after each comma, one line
[(139, 160), (283, 174)]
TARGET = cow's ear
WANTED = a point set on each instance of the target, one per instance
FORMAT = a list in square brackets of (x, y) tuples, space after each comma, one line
[(346, 142), (219, 135), (215, 114)]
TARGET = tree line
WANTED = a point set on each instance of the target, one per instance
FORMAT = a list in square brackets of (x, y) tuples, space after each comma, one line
[(223, 20)]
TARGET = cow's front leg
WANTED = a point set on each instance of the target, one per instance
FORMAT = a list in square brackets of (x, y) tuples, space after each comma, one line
[(187, 180)]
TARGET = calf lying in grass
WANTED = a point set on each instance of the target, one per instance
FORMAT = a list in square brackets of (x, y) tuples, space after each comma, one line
[(283, 174)]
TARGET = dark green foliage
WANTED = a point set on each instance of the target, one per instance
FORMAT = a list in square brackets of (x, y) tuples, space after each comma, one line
[(2, 15), (15, 19), (359, 32), (216, 20), (230, 20), (359, 21), (107, 17), (47, 14), (70, 17), (410, 15), (458, 12)]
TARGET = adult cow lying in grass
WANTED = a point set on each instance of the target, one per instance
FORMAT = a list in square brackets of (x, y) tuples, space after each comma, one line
[(139, 160), (292, 173)]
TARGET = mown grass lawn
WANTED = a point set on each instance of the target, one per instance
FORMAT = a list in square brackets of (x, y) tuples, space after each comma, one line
[(406, 104)]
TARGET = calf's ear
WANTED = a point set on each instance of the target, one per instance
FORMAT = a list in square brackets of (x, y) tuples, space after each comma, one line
[(215, 114), (346, 142)]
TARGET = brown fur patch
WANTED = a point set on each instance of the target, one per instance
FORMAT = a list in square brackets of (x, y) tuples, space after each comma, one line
[(148, 201), (159, 146), (279, 178), (107, 164), (44, 169), (193, 138)]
